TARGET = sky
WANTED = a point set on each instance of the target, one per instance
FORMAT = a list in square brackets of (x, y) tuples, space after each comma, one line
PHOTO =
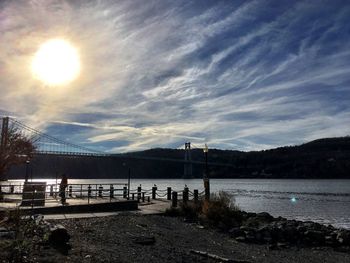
[(239, 75)]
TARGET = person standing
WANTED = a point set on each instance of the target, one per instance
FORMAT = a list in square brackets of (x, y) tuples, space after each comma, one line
[(63, 186)]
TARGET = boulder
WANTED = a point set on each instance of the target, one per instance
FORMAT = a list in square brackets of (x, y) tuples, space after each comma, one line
[(58, 235), (343, 237), (265, 217), (314, 237)]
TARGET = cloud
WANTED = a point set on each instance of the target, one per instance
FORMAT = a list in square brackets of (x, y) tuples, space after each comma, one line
[(242, 75)]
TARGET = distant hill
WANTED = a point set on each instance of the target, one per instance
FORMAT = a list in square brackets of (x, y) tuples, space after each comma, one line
[(323, 158)]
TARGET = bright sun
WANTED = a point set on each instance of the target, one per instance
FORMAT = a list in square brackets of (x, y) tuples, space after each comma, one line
[(56, 62)]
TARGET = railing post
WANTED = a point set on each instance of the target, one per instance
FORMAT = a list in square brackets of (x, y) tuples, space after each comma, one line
[(139, 189), (206, 189), (195, 195), (125, 192), (169, 193), (174, 199), (185, 195), (154, 191), (33, 191), (111, 191), (51, 190), (133, 196), (89, 193), (143, 196), (100, 189), (70, 191)]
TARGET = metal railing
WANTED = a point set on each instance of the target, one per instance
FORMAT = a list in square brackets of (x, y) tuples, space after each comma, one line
[(35, 192), (42, 193)]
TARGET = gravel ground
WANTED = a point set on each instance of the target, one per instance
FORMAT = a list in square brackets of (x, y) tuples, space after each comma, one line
[(111, 239)]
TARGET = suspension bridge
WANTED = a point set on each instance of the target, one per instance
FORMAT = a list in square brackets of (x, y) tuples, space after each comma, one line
[(47, 145)]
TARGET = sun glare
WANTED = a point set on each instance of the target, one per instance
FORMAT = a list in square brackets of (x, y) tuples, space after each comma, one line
[(56, 62)]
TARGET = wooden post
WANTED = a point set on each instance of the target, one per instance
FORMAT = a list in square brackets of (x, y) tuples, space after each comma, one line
[(70, 191), (169, 193), (174, 199), (125, 192), (206, 189), (51, 190), (133, 196), (12, 189), (33, 191), (148, 199), (143, 196), (195, 195), (89, 193), (111, 191), (185, 194), (154, 191), (139, 189), (100, 189)]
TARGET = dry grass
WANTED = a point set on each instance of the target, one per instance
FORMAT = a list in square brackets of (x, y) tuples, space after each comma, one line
[(221, 211)]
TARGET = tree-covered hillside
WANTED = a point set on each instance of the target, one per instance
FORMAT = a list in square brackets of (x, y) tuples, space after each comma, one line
[(323, 158)]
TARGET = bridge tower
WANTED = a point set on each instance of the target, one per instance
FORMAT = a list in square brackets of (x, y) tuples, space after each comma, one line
[(188, 161), (4, 133)]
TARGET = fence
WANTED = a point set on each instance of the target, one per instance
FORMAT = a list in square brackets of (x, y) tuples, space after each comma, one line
[(38, 194)]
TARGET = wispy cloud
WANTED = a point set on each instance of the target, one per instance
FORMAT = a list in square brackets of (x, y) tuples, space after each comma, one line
[(237, 74)]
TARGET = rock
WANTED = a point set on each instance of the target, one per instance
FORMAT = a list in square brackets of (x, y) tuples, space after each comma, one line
[(236, 232), (330, 241), (38, 218), (282, 245), (7, 235), (250, 214), (58, 235), (313, 237), (344, 249), (250, 237), (265, 217), (247, 229), (343, 237), (241, 239), (144, 240), (291, 234), (273, 247)]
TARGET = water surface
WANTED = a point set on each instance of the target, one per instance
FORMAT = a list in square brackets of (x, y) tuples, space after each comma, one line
[(323, 201)]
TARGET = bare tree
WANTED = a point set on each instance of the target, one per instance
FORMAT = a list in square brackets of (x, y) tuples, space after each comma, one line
[(16, 149)]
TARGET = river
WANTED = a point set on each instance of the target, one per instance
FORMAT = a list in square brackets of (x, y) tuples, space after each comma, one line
[(323, 201)]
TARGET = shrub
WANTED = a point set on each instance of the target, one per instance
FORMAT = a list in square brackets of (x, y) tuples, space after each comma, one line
[(221, 211)]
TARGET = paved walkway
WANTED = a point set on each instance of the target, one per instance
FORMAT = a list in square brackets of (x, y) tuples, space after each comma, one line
[(155, 207)]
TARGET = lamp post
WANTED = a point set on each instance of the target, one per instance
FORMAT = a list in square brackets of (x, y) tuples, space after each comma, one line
[(129, 175), (206, 174), (27, 171)]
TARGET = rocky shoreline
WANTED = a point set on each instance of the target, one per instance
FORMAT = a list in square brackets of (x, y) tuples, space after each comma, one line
[(262, 228), (128, 237)]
